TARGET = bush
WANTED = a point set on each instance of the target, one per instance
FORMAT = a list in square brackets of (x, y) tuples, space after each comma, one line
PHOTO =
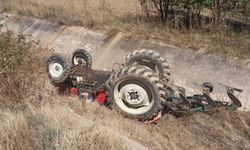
[(21, 72)]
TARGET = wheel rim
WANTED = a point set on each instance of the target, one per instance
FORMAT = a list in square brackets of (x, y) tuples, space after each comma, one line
[(56, 69), (133, 98), (78, 59)]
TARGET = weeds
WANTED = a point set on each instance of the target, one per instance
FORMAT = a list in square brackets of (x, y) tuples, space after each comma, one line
[(27, 122), (126, 16), (21, 72), (57, 126), (60, 124)]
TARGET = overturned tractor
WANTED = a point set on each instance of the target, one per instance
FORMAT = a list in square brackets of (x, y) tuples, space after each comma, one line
[(139, 89)]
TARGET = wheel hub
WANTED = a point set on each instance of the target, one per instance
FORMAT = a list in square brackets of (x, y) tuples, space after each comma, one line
[(134, 95), (133, 98), (55, 69), (79, 60)]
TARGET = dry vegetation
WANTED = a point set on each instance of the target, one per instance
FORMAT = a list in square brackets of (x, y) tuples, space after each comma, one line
[(58, 127), (21, 71), (126, 16), (33, 117)]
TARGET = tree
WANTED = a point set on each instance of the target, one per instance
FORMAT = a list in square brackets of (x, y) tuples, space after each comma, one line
[(192, 12), (144, 6), (217, 9), (163, 8), (188, 13)]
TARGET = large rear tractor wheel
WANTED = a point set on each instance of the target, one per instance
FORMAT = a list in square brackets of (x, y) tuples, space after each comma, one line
[(58, 69), (149, 59), (82, 56), (136, 92)]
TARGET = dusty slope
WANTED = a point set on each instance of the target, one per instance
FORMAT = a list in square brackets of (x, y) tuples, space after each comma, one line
[(188, 66), (218, 130), (97, 127)]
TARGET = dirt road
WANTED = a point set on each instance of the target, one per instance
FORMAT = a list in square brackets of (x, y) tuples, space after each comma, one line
[(188, 67)]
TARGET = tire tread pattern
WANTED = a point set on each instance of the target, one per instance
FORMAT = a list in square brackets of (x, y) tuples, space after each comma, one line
[(87, 57), (160, 62)]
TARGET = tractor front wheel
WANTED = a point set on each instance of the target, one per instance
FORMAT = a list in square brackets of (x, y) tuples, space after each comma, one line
[(58, 69), (82, 56)]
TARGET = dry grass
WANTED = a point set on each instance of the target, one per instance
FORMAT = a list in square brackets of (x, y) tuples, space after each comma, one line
[(74, 12), (47, 121), (13, 53), (126, 16), (57, 126), (54, 127), (222, 43), (21, 71)]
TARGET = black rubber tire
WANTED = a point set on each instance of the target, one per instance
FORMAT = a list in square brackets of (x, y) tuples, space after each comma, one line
[(208, 85), (152, 60), (149, 79), (56, 58), (84, 55)]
